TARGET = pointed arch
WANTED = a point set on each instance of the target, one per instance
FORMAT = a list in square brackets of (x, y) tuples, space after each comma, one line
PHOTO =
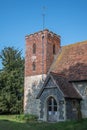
[(52, 104), (52, 109)]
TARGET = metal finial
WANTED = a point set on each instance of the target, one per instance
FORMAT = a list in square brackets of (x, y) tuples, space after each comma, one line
[(43, 14)]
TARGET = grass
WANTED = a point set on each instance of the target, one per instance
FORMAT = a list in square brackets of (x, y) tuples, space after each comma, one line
[(14, 123)]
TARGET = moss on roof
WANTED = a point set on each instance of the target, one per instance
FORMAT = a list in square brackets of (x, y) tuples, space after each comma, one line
[(70, 56)]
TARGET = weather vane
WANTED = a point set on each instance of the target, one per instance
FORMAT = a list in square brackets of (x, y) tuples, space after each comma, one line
[(43, 14)]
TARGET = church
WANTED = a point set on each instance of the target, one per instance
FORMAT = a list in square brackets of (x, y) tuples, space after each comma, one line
[(55, 87)]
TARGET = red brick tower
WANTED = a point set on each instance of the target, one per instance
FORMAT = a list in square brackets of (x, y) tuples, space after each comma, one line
[(41, 48), (38, 54)]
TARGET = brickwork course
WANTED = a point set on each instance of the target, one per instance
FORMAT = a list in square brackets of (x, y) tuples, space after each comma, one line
[(49, 40)]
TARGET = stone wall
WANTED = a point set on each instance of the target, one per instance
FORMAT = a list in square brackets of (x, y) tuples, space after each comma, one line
[(81, 87), (32, 87), (54, 92), (72, 109), (43, 58)]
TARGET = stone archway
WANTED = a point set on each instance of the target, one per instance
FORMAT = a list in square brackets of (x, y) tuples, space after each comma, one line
[(52, 109)]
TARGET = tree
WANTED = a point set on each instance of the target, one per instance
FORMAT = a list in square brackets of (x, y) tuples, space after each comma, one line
[(11, 81)]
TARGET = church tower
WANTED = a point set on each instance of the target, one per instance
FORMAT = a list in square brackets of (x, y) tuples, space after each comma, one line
[(41, 49)]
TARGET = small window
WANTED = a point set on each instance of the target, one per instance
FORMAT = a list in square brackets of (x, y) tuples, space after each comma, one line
[(34, 48), (54, 52), (34, 66), (52, 104)]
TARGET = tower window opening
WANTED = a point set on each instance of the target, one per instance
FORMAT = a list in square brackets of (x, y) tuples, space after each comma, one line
[(54, 49), (33, 66), (34, 48)]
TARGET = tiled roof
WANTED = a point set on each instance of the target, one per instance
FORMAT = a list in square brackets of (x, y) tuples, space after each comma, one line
[(62, 83), (72, 61), (67, 88)]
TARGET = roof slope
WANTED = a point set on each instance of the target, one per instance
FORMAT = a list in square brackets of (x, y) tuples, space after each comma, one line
[(62, 83), (72, 61), (67, 88)]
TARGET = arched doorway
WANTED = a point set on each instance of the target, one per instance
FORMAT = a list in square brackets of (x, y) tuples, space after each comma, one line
[(52, 109)]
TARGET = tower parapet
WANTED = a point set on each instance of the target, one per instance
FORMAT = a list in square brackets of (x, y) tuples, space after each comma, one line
[(51, 45)]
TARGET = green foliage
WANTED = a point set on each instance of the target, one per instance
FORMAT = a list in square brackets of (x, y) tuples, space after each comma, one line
[(26, 117), (11, 59), (11, 81), (14, 123)]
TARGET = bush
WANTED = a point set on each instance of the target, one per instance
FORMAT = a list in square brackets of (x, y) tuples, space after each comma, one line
[(26, 117)]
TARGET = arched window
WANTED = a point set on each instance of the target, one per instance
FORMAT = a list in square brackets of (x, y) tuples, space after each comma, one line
[(52, 109), (52, 104), (54, 52), (34, 48), (33, 66)]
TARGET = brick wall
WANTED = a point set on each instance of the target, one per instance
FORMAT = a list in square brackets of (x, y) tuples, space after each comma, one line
[(49, 40)]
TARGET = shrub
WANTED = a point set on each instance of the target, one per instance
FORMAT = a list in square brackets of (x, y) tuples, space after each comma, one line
[(27, 117)]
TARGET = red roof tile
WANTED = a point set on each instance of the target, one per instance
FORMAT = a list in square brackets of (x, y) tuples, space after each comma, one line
[(67, 88), (62, 83), (72, 61)]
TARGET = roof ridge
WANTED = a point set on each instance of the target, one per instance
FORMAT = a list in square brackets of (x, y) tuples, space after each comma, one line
[(76, 43)]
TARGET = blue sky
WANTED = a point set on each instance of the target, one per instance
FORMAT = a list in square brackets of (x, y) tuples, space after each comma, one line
[(67, 18)]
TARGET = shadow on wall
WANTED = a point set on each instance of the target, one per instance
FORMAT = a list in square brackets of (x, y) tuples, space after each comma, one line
[(32, 102)]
